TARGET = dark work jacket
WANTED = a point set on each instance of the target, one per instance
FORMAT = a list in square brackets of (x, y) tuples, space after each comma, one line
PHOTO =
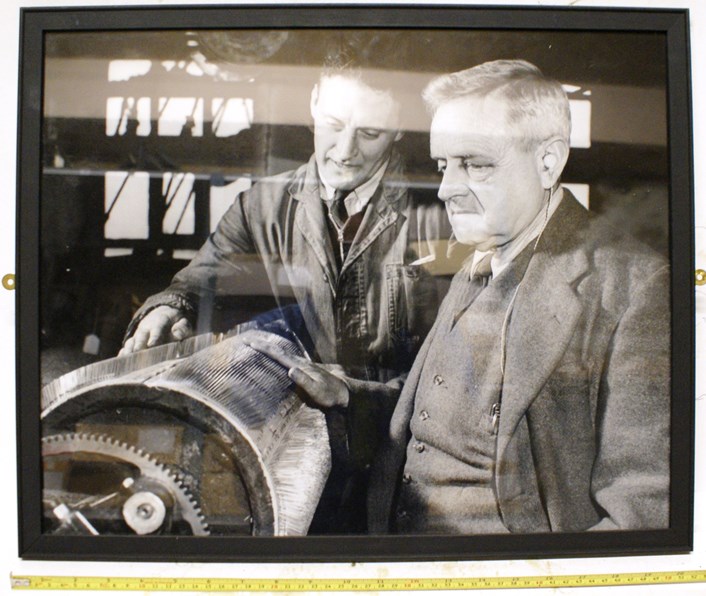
[(370, 318)]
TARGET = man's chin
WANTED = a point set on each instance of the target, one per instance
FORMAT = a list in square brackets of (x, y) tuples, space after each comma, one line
[(344, 183), (343, 177), (469, 237)]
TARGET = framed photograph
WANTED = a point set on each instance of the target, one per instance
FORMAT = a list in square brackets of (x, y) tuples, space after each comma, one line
[(354, 283)]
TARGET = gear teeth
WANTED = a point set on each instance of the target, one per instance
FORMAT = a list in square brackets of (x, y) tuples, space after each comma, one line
[(150, 467)]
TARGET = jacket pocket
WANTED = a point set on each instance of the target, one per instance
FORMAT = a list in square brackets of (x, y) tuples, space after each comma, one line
[(412, 304)]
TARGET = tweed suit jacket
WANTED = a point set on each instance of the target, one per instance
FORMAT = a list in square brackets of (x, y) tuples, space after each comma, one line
[(583, 436)]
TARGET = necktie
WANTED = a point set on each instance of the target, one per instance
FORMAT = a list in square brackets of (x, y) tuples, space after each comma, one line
[(338, 206), (482, 270), (480, 276), (343, 227)]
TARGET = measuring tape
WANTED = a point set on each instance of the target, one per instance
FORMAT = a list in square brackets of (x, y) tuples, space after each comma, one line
[(161, 584)]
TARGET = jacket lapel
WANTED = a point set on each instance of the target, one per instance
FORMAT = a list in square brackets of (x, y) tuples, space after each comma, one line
[(310, 220), (384, 209), (387, 466), (545, 314), (379, 216)]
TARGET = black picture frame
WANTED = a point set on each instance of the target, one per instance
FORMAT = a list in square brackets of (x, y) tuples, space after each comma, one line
[(669, 29)]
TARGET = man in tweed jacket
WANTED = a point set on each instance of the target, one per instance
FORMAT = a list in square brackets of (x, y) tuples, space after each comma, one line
[(540, 399)]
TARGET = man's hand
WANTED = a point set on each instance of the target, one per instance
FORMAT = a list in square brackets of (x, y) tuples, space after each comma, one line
[(323, 384), (161, 325)]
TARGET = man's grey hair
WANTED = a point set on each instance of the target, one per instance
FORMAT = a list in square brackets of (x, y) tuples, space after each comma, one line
[(536, 104)]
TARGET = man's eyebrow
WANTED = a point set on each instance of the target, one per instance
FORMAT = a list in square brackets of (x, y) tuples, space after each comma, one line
[(472, 153), (475, 155)]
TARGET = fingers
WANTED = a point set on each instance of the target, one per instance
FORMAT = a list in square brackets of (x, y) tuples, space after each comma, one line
[(303, 380), (137, 342), (323, 389), (182, 329), (311, 387), (128, 347), (159, 326), (335, 369), (275, 352)]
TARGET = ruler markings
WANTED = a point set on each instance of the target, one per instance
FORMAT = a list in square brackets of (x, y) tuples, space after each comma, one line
[(160, 584)]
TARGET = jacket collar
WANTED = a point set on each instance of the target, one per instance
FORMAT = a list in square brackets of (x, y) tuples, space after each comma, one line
[(386, 206), (545, 313), (306, 185)]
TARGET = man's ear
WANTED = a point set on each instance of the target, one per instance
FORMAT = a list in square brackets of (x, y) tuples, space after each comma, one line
[(314, 99), (312, 106), (552, 156)]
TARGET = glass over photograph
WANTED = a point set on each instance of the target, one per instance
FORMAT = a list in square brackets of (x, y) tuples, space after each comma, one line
[(370, 281)]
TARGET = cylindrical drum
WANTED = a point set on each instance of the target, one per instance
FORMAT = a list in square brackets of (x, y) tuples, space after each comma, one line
[(205, 436)]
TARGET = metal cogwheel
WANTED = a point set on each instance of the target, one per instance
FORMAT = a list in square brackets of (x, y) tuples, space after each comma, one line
[(144, 510)]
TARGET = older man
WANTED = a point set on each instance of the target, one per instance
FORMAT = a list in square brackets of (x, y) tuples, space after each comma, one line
[(540, 399), (345, 238)]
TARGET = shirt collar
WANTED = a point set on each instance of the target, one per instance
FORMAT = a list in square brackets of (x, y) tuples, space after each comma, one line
[(357, 200), (503, 256)]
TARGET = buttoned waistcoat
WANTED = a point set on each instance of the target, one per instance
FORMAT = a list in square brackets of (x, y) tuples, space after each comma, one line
[(583, 436)]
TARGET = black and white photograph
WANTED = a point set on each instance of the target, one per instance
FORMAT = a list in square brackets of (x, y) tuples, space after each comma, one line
[(394, 290)]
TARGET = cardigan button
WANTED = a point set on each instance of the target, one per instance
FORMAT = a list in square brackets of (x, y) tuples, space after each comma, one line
[(406, 479), (419, 447), (438, 380), (424, 415)]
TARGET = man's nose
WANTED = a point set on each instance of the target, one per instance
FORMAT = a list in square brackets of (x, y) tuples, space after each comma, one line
[(452, 185), (347, 145)]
